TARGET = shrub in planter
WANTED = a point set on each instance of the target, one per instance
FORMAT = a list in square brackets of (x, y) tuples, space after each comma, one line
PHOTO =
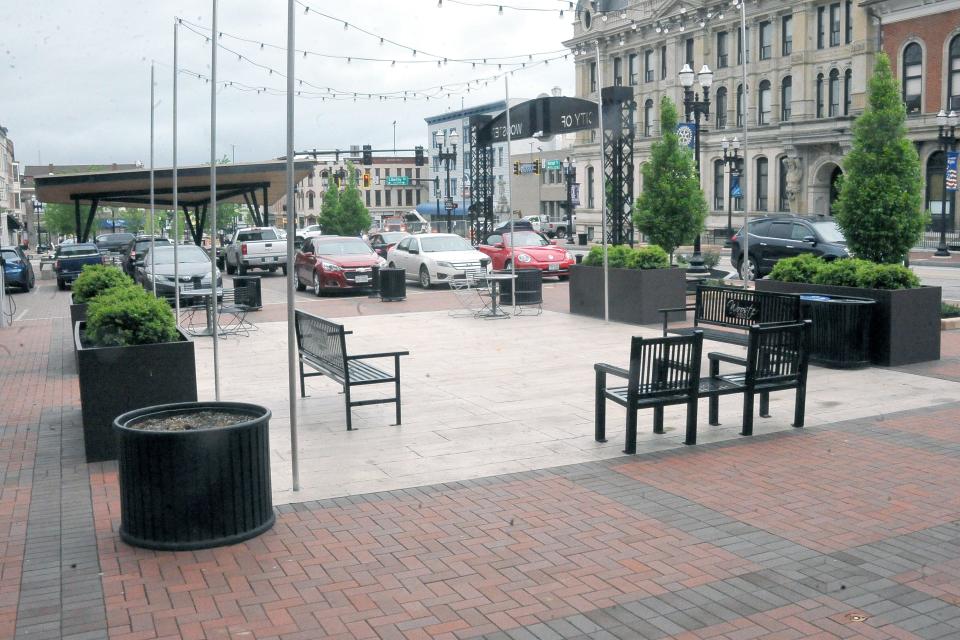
[(849, 272), (129, 316), (97, 279), (838, 273), (886, 276), (623, 257), (799, 269), (948, 310)]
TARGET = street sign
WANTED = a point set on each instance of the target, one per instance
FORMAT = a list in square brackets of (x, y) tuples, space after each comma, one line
[(526, 167), (398, 181), (553, 164), (450, 206)]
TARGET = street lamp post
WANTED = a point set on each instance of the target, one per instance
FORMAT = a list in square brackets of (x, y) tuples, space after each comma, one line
[(947, 135), (731, 157), (447, 152), (37, 209), (694, 109), (570, 173)]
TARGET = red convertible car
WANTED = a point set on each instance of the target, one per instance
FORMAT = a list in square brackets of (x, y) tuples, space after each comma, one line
[(326, 263), (531, 251)]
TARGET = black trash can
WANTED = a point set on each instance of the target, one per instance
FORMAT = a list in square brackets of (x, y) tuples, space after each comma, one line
[(529, 288), (582, 239), (247, 292), (393, 285), (840, 335)]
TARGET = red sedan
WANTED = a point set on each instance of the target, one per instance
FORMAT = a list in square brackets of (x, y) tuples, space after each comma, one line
[(531, 251), (327, 263)]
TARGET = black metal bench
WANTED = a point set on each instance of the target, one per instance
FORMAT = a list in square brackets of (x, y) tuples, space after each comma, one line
[(666, 371), (734, 308), (322, 346)]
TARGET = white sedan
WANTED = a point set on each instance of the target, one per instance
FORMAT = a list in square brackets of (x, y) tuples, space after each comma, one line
[(436, 258)]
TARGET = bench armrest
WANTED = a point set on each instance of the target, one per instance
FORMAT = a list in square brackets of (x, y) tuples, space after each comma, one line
[(609, 368), (386, 354), (724, 357), (666, 312)]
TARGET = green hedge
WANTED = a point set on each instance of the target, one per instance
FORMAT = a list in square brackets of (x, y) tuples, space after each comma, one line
[(128, 316), (97, 278), (847, 272), (623, 257)]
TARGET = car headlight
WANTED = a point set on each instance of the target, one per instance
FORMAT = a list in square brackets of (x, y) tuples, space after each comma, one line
[(522, 257), (329, 266), (570, 256), (445, 264)]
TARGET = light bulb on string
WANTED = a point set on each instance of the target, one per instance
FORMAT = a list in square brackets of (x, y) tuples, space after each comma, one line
[(345, 26), (306, 10), (499, 12)]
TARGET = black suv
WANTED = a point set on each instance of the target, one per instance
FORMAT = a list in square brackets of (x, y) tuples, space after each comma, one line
[(784, 237)]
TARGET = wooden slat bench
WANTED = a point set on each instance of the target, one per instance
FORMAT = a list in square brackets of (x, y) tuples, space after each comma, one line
[(732, 308), (322, 346)]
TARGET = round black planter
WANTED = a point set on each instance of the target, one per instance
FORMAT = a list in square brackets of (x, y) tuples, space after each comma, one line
[(182, 490)]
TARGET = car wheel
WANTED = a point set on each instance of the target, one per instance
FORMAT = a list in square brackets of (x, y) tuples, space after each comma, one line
[(317, 287), (242, 269), (391, 266), (561, 233), (424, 278), (284, 269), (231, 269), (296, 281), (61, 284), (751, 266)]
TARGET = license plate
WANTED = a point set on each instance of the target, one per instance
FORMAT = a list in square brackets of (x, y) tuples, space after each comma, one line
[(553, 267), (362, 279)]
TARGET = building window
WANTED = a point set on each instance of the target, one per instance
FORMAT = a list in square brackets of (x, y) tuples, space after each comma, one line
[(590, 199), (784, 204), (718, 193), (688, 50), (912, 77), (500, 157), (819, 95), (648, 66), (953, 82), (311, 200), (721, 108), (740, 106), (762, 175), (409, 198), (741, 43), (386, 198), (376, 198), (648, 118), (618, 71), (763, 117), (847, 85), (738, 202), (722, 55), (834, 93), (593, 77), (632, 69), (663, 62), (766, 40), (835, 24), (848, 15), (786, 98), (310, 180), (786, 36), (821, 26), (368, 197)]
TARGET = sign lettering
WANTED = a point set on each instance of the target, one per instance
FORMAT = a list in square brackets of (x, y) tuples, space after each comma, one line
[(741, 309)]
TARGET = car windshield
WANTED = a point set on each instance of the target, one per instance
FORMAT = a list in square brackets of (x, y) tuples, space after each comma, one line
[(829, 231), (185, 254), (143, 245), (115, 238), (343, 247), (10, 255), (435, 244), (394, 236), (257, 234), (85, 249), (525, 239)]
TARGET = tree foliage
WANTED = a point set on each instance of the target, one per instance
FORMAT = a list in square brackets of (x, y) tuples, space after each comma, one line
[(880, 204), (344, 213), (672, 209)]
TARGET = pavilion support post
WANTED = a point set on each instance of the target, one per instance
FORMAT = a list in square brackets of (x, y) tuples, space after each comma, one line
[(250, 207), (201, 222), (190, 227), (266, 209), (76, 217), (90, 216), (257, 219)]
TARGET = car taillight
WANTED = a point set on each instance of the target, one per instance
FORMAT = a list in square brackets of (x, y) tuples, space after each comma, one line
[(243, 248)]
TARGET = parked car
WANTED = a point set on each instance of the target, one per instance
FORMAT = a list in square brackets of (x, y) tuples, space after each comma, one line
[(546, 226), (531, 250), (133, 255), (383, 241), (256, 248), (334, 262), (70, 260), (114, 243), (192, 262), (17, 270), (436, 257), (774, 238)]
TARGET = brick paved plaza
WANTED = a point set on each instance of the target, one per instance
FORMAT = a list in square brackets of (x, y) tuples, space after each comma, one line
[(849, 528)]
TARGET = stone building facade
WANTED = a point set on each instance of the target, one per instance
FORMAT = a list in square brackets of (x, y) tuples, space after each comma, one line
[(11, 215)]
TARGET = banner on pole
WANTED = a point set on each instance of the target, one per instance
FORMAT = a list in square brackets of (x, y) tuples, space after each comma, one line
[(952, 171), (735, 191), (687, 132)]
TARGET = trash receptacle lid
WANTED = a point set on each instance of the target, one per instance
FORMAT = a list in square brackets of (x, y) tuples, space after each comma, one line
[(815, 298)]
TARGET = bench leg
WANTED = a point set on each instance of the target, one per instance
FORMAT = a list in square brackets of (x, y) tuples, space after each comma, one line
[(631, 440), (691, 422), (658, 420), (346, 401), (747, 429), (765, 404), (713, 415), (600, 409), (800, 406), (303, 393)]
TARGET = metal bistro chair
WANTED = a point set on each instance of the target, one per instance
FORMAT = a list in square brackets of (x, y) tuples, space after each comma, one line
[(472, 292)]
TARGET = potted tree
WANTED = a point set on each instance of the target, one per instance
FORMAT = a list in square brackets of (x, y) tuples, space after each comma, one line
[(92, 281), (130, 354)]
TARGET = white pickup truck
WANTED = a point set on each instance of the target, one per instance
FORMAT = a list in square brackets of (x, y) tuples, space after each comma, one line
[(547, 227), (256, 248)]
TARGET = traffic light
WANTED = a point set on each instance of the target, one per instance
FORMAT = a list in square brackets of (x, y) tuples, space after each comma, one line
[(366, 180), (419, 160), (536, 166), (516, 168), (367, 155)]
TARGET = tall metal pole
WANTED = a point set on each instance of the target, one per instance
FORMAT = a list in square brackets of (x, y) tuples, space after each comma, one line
[(603, 187), (291, 233), (176, 203), (513, 261), (213, 205), (743, 172), (153, 215)]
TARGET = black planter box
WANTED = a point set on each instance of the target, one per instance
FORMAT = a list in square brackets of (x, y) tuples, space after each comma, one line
[(114, 380), (905, 324), (636, 295), (78, 311), (183, 490)]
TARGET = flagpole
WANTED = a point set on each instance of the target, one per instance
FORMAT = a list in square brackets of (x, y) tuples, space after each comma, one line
[(746, 162), (214, 328), (176, 204), (603, 188), (153, 215), (513, 262), (291, 233)]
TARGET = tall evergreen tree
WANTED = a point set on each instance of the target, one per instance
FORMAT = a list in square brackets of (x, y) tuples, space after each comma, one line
[(354, 216), (880, 204), (672, 209), (329, 218)]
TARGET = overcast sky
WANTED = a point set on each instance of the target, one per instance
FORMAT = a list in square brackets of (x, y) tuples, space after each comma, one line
[(75, 79)]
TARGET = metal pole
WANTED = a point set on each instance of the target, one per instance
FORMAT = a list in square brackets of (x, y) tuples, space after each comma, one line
[(743, 105), (213, 205), (942, 245), (513, 261), (571, 232), (3, 284), (446, 162), (603, 188), (176, 204), (291, 232), (153, 215)]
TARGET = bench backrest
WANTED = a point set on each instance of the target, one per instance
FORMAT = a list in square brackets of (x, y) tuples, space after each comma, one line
[(778, 354), (665, 366), (740, 309), (322, 340)]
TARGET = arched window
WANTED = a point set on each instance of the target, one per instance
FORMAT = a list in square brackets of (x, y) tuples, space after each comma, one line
[(847, 90), (721, 108), (784, 203), (786, 98), (310, 200), (834, 93), (912, 77), (819, 95), (648, 118), (740, 106), (718, 192), (763, 170), (953, 82), (591, 202), (763, 115), (934, 196)]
